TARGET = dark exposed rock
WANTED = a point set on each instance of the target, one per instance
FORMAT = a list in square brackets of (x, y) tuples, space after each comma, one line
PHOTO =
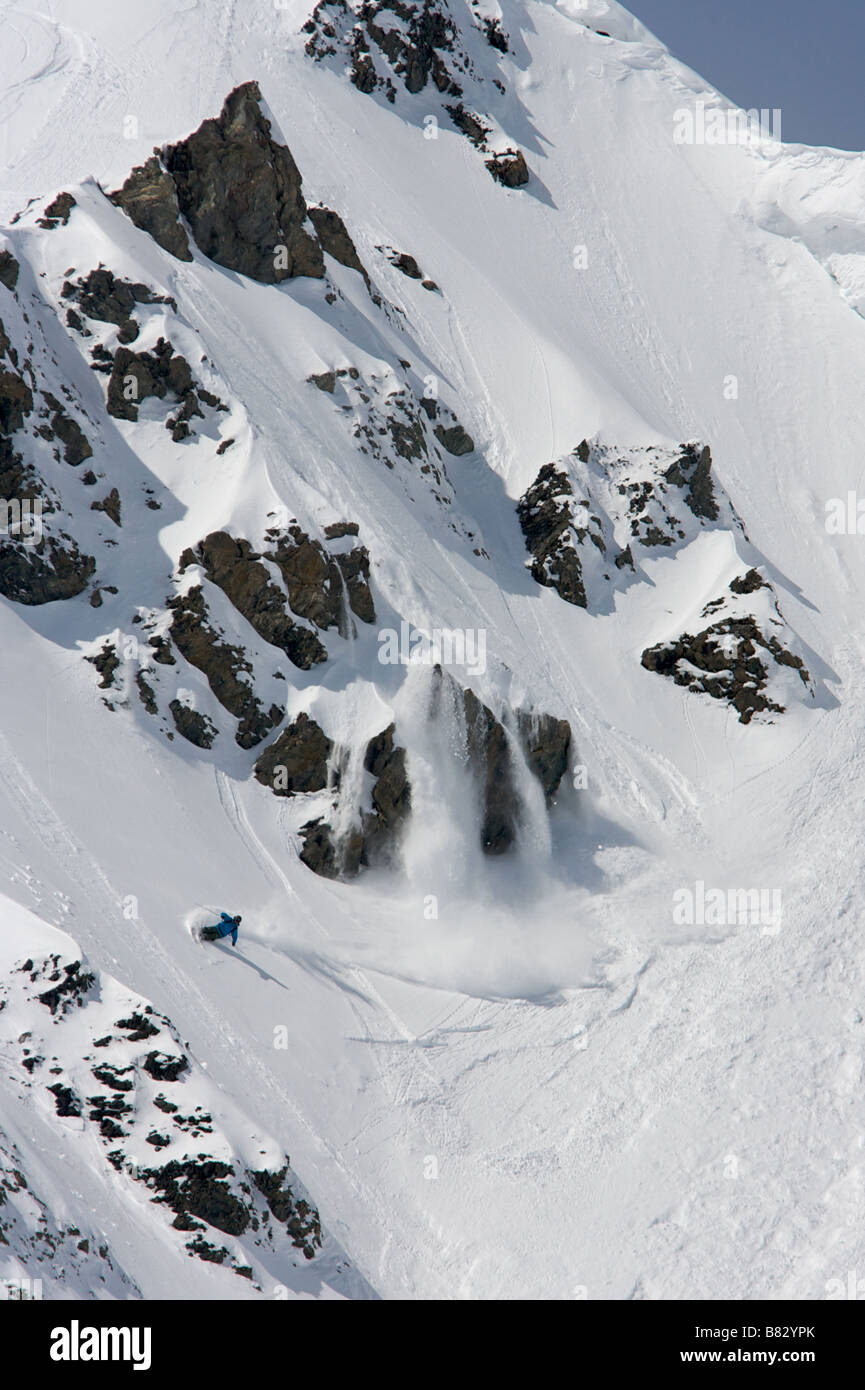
[(103, 296), (16, 402), (162, 651), (545, 744), (408, 265), (106, 664), (197, 1188), (729, 665), (137, 376), (113, 1077), (238, 571), (325, 381), (149, 199), (57, 213), (574, 513), (65, 1100), (298, 761), (146, 693), (496, 37), (240, 193), (509, 168), (373, 840), (299, 1218), (106, 1111), (456, 440), (222, 664), (318, 583), (406, 431), (391, 796), (694, 472), (76, 446), (192, 725), (418, 51), (163, 1067), (9, 269), (19, 571), (69, 993), (489, 750), (33, 575), (748, 583), (335, 240), (138, 1027), (324, 856), (545, 518), (471, 125), (337, 529), (110, 505), (403, 262)]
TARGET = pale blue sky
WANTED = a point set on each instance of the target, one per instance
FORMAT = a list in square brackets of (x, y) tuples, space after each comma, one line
[(804, 57)]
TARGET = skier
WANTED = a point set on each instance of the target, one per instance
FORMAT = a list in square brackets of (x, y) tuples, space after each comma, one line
[(227, 926)]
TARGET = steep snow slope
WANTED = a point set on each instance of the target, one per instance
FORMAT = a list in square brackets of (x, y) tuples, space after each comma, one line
[(552, 1088)]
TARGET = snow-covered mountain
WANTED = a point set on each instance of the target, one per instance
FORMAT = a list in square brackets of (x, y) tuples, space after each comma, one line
[(432, 533)]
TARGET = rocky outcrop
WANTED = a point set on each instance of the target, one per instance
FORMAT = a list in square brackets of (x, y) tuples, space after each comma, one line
[(391, 796), (125, 1078), (16, 402), (455, 439), (162, 373), (298, 761), (149, 199), (543, 741), (322, 588), (17, 480), (38, 568), (546, 519), (53, 569), (57, 212), (408, 432), (373, 836), (110, 505), (106, 662), (76, 446), (692, 472), (107, 298), (304, 759), (509, 168), (239, 191), (407, 265), (417, 43), (418, 46), (588, 518), (195, 727), (319, 583), (731, 661), (470, 124), (224, 666), (335, 240), (237, 570), (9, 269)]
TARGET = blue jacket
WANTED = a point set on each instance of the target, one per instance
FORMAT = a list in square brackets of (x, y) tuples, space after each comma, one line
[(227, 927)]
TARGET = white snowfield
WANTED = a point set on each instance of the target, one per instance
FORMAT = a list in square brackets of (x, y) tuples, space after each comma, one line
[(542, 1076)]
